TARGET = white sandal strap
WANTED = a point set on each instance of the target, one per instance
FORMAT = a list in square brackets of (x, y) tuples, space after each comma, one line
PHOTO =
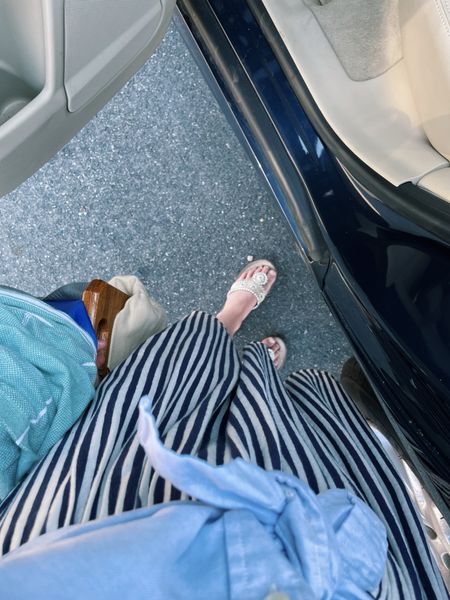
[(271, 354), (253, 285)]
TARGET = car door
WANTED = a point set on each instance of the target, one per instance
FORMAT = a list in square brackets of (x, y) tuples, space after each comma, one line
[(60, 62)]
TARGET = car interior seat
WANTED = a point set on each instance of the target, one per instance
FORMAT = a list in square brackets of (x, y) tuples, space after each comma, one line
[(425, 28), (379, 72)]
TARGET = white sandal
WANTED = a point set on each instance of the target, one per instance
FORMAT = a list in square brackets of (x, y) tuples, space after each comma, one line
[(282, 353), (256, 284)]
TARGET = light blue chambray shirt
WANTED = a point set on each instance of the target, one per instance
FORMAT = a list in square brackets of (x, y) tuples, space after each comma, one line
[(251, 534)]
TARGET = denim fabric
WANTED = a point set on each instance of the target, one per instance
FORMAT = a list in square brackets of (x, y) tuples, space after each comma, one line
[(248, 534)]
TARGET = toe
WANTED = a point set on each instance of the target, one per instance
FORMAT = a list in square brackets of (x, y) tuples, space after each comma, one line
[(275, 346), (271, 276)]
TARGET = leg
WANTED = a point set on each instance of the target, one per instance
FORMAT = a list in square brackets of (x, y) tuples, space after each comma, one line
[(239, 304), (362, 464)]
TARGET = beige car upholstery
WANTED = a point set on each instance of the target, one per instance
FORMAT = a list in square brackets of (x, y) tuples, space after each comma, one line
[(425, 26), (376, 118), (365, 34), (437, 183)]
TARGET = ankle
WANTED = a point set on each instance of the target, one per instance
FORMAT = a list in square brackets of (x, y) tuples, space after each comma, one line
[(230, 319)]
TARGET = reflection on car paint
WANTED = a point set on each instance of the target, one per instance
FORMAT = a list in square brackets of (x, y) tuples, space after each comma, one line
[(389, 283)]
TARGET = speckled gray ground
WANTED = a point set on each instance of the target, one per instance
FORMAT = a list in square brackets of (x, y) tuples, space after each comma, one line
[(158, 183)]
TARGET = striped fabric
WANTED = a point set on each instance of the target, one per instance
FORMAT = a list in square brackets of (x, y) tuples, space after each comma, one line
[(208, 402)]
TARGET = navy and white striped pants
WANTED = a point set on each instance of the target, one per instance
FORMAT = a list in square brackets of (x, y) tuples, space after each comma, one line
[(208, 402)]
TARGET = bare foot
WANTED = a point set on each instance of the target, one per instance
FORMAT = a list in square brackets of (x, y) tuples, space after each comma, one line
[(277, 350), (239, 304)]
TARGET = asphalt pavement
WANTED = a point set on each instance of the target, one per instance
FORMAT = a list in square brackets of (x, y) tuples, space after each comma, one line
[(157, 183)]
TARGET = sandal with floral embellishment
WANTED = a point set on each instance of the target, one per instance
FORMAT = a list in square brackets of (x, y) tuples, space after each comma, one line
[(256, 284), (282, 350)]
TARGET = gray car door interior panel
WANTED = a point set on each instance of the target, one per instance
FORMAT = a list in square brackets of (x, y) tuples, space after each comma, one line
[(22, 68), (60, 62), (101, 39)]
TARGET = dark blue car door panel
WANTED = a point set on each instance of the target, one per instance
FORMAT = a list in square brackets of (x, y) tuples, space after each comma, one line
[(389, 279), (417, 400), (250, 86), (401, 278)]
